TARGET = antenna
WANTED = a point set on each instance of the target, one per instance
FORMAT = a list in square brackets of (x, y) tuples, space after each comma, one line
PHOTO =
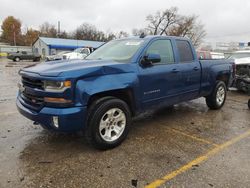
[(142, 35)]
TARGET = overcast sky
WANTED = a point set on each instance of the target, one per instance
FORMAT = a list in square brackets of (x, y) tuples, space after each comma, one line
[(224, 20)]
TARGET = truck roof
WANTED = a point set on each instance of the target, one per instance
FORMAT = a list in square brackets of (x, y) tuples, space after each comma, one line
[(155, 36)]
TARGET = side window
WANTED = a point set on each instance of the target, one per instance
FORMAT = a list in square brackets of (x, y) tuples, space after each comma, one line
[(24, 53), (185, 51), (53, 52), (164, 49)]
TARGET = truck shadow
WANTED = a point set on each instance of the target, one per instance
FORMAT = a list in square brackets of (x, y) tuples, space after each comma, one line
[(48, 154), (74, 143)]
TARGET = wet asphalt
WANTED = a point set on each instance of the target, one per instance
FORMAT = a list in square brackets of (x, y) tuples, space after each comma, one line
[(160, 142)]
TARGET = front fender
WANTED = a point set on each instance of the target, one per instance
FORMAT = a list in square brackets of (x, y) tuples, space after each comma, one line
[(87, 87)]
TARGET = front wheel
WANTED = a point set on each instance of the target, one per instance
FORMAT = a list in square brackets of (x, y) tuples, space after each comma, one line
[(108, 123), (218, 97)]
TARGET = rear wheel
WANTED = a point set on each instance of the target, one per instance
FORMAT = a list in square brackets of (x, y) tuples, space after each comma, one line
[(218, 97), (36, 59), (108, 123)]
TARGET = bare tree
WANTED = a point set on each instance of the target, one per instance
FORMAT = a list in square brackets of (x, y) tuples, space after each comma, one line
[(88, 31), (162, 21), (30, 36), (109, 36), (138, 32), (197, 34), (169, 22), (121, 34), (48, 30)]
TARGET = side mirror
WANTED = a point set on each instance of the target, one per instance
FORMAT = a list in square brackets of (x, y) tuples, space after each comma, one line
[(149, 59)]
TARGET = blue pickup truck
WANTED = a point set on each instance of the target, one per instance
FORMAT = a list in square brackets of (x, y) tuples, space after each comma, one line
[(100, 95)]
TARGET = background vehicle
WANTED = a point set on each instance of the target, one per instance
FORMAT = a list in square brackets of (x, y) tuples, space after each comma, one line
[(23, 55), (58, 56), (117, 81), (242, 63), (204, 54), (217, 55), (79, 53), (209, 55)]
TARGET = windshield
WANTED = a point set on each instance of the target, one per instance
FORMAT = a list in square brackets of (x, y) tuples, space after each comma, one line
[(239, 55), (117, 50), (82, 50), (78, 50), (62, 53)]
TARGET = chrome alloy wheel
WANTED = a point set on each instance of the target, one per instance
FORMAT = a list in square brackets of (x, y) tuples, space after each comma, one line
[(112, 124), (220, 95)]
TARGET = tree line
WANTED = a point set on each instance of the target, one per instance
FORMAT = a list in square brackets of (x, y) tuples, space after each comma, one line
[(166, 22)]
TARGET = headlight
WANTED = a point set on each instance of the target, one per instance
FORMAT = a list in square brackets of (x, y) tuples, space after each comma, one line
[(56, 86)]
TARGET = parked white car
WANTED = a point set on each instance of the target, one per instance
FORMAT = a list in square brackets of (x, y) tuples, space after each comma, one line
[(58, 56), (79, 53)]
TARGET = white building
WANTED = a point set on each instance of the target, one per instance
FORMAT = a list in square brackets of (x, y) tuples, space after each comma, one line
[(47, 46)]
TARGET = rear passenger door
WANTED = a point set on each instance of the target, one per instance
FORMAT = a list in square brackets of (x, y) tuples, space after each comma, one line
[(24, 55), (190, 70), (30, 56)]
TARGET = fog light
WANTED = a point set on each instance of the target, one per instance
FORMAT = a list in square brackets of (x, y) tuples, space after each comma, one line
[(55, 121)]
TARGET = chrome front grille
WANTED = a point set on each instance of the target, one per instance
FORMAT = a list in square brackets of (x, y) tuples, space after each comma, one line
[(32, 83), (32, 101)]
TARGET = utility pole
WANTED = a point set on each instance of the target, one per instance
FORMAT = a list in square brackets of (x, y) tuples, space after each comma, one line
[(14, 34), (58, 29)]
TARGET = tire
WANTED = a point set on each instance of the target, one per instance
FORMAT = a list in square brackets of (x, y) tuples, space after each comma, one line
[(108, 123), (17, 59), (248, 104), (218, 97), (36, 59)]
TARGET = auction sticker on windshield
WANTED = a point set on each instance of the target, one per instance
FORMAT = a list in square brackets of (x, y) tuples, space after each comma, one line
[(134, 43)]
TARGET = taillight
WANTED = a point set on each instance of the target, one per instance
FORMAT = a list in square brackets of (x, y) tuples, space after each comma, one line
[(234, 69)]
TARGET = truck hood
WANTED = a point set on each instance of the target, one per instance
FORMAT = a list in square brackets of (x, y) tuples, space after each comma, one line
[(79, 68)]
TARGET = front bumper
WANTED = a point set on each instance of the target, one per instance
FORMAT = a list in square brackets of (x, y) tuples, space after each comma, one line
[(70, 119)]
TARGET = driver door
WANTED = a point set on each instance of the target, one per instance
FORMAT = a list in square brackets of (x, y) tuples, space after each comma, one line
[(160, 83)]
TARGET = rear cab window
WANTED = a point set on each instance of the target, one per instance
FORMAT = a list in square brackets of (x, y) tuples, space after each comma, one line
[(185, 51)]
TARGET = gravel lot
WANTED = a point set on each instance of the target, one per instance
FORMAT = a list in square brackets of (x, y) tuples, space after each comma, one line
[(188, 146)]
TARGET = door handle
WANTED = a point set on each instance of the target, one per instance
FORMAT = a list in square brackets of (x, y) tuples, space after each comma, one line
[(175, 71), (195, 68)]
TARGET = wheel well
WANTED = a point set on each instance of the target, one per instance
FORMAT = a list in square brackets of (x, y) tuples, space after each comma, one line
[(124, 94), (224, 78)]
